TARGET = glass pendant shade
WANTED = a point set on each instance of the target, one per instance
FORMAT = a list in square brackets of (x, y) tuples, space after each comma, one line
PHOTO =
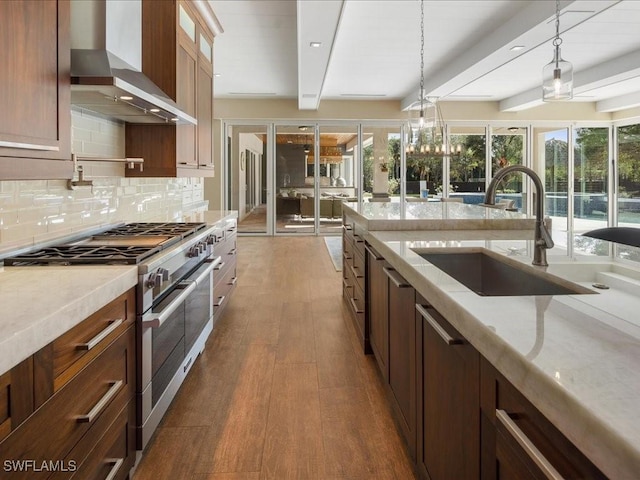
[(557, 79)]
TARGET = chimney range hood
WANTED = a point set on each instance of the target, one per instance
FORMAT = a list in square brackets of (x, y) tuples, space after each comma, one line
[(106, 61)]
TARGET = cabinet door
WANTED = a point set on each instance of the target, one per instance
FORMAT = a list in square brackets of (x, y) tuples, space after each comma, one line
[(518, 441), (205, 114), (35, 95), (378, 310), (186, 100), (448, 400), (402, 353)]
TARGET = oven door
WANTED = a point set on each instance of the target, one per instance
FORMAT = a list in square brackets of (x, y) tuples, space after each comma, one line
[(169, 332)]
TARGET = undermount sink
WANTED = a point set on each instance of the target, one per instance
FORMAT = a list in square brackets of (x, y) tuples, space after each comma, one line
[(489, 275)]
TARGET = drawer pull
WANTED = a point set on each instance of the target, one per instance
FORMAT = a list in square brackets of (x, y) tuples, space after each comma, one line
[(220, 265), (345, 284), (101, 336), (355, 274), (396, 278), (102, 403), (232, 252), (220, 301), (117, 463), (527, 445), (346, 256), (355, 306), (448, 339), (233, 281)]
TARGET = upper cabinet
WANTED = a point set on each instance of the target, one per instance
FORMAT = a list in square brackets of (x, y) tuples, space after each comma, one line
[(177, 55), (35, 117)]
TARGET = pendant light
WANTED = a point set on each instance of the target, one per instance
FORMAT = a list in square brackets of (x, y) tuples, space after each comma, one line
[(557, 76), (426, 133)]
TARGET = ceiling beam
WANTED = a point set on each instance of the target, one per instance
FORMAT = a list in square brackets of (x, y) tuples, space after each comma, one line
[(613, 71), (622, 102), (487, 54), (317, 21)]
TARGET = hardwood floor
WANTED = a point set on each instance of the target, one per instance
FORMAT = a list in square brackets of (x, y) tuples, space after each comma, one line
[(282, 390)]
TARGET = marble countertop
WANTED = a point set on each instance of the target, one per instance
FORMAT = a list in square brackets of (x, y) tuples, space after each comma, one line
[(575, 357), (433, 215), (41, 303)]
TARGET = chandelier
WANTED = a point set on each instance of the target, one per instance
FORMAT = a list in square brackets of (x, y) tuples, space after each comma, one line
[(426, 131), (557, 75)]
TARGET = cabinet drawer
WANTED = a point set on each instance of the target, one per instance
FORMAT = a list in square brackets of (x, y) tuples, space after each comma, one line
[(97, 393), (227, 264), (73, 350), (111, 451), (222, 290), (357, 269), (358, 244), (518, 438)]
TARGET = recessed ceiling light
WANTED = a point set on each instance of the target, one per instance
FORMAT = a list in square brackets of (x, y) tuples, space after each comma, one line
[(217, 74), (154, 110), (126, 97), (516, 48), (174, 119), (315, 44)]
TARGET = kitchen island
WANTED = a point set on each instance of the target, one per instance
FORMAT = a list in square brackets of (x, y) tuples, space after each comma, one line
[(574, 357)]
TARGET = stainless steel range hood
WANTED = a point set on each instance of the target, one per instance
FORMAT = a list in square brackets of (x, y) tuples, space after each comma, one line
[(106, 64)]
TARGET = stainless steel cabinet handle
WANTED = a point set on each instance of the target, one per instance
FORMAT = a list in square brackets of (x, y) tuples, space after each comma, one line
[(396, 278), (219, 266), (346, 256), (29, 146), (232, 252), (233, 281), (117, 463), (448, 339), (355, 306), (189, 164), (527, 445), (220, 301), (102, 403), (100, 336), (345, 284)]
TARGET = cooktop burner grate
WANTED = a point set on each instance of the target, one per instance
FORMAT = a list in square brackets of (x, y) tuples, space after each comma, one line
[(83, 254), (174, 229)]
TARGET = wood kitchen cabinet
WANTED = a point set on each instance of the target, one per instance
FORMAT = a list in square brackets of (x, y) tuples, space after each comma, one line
[(225, 275), (448, 413), (35, 124), (518, 442), (353, 282), (402, 354), (177, 55), (378, 311), (16, 396), (83, 386)]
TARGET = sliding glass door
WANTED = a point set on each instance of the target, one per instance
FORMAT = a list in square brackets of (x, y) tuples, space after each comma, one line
[(247, 185)]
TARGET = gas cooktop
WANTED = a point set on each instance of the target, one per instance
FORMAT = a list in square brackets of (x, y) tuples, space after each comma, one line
[(128, 244)]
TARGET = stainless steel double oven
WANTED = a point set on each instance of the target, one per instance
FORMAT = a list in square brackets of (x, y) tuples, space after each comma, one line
[(174, 306)]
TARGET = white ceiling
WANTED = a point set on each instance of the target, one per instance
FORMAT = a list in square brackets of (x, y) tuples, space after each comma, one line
[(371, 50)]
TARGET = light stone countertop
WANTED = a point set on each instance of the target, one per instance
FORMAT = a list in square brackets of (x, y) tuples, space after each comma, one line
[(575, 357), (433, 216), (40, 303)]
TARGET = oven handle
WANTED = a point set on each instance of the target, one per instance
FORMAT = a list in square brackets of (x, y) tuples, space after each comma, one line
[(212, 263), (156, 322), (191, 285)]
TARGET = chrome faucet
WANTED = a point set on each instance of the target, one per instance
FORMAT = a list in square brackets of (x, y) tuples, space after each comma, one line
[(542, 237)]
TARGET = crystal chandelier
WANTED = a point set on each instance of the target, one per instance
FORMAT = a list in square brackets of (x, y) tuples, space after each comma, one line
[(557, 75), (426, 132)]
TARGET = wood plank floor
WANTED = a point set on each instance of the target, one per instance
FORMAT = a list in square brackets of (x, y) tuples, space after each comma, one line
[(282, 390)]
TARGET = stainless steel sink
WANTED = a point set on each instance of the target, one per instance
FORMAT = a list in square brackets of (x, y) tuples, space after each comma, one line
[(489, 275)]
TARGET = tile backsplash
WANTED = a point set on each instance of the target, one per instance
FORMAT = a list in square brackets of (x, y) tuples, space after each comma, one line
[(36, 211)]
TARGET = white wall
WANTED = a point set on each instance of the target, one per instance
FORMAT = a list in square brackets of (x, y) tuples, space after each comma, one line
[(41, 210)]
